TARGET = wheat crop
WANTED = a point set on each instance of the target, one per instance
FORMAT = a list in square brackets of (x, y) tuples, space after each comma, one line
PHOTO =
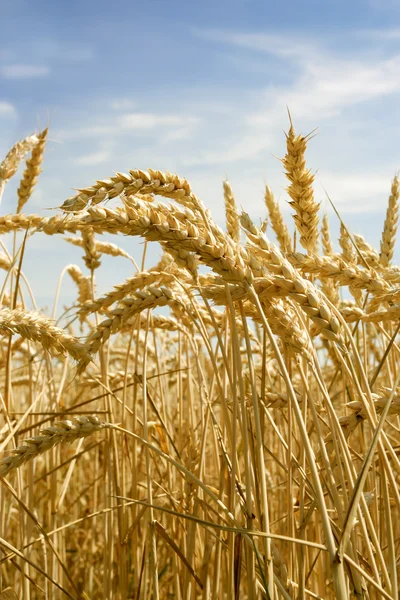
[(222, 424)]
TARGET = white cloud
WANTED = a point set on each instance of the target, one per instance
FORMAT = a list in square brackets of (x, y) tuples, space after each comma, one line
[(63, 135), (349, 191), (96, 158), (332, 87), (51, 49), (6, 108), (266, 43), (384, 35), (325, 84), (22, 71), (322, 86), (325, 89), (384, 4), (172, 127), (152, 120), (246, 147), (122, 104), (175, 135)]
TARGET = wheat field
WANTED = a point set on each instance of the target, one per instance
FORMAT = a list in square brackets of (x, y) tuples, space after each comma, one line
[(223, 424)]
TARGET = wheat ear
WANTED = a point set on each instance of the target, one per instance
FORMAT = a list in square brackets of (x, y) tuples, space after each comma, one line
[(178, 231), (329, 287), (12, 160), (352, 314), (32, 171), (301, 190), (326, 236), (339, 271), (391, 224), (285, 324), (121, 291), (36, 327), (137, 303), (146, 182), (231, 214), (102, 247), (83, 283), (369, 255), (62, 432), (92, 255), (278, 225), (299, 289), (348, 251)]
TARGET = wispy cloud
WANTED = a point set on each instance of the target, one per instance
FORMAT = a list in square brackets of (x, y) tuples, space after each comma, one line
[(122, 104), (152, 120), (7, 109), (324, 89), (168, 128), (267, 43), (322, 85), (325, 83), (92, 131), (348, 190), (96, 158), (51, 49), (24, 71), (174, 135), (384, 5), (385, 34)]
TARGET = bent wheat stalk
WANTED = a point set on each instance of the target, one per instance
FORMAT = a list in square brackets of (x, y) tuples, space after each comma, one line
[(121, 291), (140, 301)]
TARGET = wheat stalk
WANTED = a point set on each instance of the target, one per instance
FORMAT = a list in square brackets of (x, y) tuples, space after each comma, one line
[(246, 416)]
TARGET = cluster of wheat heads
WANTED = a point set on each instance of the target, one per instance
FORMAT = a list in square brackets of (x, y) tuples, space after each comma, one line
[(229, 431)]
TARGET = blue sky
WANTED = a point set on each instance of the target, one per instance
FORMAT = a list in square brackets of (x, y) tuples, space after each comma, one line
[(201, 89)]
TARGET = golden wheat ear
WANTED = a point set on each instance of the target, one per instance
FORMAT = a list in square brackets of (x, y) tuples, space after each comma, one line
[(391, 225), (32, 171), (301, 191), (61, 432), (231, 213), (278, 225), (12, 160)]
